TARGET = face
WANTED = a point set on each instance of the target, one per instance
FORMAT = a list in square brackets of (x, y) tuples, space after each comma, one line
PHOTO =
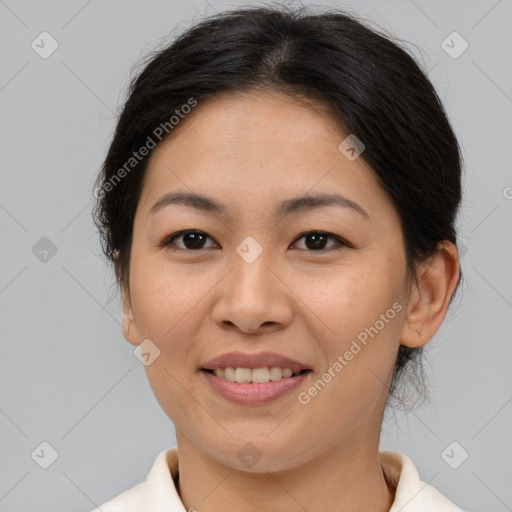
[(252, 278)]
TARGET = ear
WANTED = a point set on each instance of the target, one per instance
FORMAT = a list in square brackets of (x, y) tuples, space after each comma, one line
[(130, 330), (430, 296), (129, 326)]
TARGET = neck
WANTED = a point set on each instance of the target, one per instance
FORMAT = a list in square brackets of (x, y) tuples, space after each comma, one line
[(347, 478)]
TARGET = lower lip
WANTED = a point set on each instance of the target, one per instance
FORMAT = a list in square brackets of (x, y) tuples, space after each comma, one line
[(249, 393)]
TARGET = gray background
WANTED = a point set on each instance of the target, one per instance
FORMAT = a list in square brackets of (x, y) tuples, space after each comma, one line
[(68, 377)]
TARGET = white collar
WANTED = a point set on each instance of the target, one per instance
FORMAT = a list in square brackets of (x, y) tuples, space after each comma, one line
[(159, 493), (412, 494)]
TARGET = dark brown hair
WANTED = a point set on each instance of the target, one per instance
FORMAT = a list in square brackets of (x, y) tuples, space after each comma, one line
[(370, 85)]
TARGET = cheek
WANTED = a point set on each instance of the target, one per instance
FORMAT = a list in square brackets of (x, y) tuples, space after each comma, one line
[(362, 310), (166, 299), (350, 300), (364, 317), (175, 392)]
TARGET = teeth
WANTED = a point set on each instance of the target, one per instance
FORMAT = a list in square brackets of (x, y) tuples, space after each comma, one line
[(242, 374), (257, 375), (229, 374), (275, 373)]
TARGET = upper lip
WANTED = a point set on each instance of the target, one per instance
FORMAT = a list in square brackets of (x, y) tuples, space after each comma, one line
[(245, 360)]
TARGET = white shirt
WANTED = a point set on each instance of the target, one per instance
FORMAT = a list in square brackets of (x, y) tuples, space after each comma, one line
[(158, 492)]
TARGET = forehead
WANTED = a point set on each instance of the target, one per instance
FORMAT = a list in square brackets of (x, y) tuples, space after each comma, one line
[(252, 146), (235, 122)]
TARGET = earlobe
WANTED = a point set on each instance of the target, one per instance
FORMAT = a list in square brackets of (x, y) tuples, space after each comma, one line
[(430, 296), (129, 327), (130, 331)]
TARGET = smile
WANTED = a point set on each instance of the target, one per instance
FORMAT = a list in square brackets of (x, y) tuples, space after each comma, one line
[(256, 375), (254, 386)]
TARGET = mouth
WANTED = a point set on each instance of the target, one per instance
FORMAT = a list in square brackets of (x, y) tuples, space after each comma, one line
[(260, 375), (253, 386)]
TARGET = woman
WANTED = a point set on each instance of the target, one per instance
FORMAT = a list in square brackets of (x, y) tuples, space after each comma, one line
[(278, 204)]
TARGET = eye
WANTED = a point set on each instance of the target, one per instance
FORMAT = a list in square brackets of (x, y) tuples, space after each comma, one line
[(316, 240), (194, 240)]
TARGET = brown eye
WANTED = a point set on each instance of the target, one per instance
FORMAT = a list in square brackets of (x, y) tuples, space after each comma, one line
[(317, 240), (191, 239)]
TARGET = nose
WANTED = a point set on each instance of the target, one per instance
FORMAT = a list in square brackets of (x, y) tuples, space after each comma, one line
[(252, 297)]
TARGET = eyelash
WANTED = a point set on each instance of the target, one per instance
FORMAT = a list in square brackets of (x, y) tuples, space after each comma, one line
[(170, 239)]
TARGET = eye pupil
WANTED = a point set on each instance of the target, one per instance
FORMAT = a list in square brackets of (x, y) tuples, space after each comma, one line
[(318, 239), (195, 238)]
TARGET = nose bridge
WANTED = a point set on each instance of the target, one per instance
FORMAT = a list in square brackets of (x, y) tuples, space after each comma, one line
[(251, 262)]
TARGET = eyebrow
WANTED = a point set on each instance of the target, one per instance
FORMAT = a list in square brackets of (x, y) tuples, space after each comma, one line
[(286, 207)]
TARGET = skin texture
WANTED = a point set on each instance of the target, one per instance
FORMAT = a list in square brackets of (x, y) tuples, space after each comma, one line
[(250, 151)]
